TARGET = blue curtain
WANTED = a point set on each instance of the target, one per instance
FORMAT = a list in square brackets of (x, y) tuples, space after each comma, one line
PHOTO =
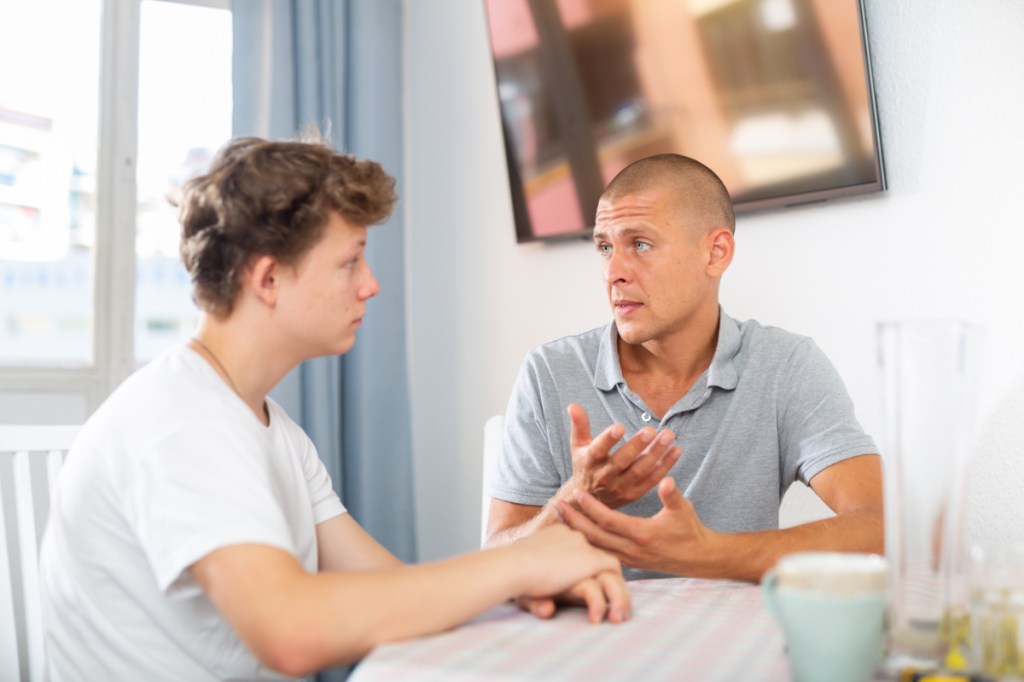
[(337, 64)]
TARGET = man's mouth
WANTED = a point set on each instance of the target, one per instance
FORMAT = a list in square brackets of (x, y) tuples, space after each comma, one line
[(624, 307)]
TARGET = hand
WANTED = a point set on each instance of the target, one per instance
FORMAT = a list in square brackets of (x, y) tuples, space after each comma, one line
[(672, 541), (568, 569), (603, 595), (627, 474)]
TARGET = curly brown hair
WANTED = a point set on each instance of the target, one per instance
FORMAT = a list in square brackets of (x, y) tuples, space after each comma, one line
[(270, 198)]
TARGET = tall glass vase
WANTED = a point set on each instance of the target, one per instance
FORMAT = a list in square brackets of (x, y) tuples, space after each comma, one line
[(929, 374)]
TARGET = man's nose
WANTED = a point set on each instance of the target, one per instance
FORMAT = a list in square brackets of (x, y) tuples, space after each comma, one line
[(616, 268), (371, 287)]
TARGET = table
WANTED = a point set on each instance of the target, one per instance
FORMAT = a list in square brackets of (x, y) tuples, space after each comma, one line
[(681, 629)]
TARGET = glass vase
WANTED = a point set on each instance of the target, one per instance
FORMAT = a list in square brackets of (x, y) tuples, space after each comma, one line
[(929, 373)]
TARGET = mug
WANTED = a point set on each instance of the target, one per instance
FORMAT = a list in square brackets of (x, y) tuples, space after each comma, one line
[(831, 606)]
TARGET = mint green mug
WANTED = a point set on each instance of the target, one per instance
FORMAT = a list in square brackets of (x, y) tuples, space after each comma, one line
[(831, 607)]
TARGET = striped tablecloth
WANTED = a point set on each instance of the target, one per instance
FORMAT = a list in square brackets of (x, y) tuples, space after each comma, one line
[(682, 629)]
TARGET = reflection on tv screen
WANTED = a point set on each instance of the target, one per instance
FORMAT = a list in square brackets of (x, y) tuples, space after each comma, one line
[(773, 95)]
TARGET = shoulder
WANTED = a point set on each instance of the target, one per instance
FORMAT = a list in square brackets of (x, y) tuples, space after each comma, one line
[(568, 364), (174, 398), (288, 429), (566, 361), (577, 349), (175, 365), (168, 383), (773, 345)]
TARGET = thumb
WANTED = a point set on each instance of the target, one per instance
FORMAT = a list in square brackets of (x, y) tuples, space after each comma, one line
[(579, 434), (671, 498)]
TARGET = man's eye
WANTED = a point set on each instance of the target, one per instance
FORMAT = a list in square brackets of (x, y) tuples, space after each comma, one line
[(604, 248), (642, 246)]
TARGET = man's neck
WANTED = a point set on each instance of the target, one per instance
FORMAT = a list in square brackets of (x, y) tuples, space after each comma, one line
[(661, 371), (252, 369)]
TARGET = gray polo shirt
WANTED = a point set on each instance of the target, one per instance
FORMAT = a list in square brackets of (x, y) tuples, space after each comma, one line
[(771, 409)]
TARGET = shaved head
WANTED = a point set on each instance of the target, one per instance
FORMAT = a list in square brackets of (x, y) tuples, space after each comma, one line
[(692, 187)]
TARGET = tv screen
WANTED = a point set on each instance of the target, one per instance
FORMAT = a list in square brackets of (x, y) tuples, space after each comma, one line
[(773, 95)]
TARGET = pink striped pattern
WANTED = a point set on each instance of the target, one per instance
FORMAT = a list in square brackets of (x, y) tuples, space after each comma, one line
[(682, 629)]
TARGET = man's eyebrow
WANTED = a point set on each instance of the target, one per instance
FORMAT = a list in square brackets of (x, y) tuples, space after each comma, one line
[(620, 232)]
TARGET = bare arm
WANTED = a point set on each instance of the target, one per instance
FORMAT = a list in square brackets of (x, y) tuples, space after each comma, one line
[(343, 545), (508, 521), (297, 622), (675, 541)]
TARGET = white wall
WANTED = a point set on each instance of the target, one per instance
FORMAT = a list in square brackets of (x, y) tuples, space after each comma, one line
[(946, 240)]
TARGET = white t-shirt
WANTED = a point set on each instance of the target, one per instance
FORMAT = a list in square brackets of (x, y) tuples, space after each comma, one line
[(171, 467)]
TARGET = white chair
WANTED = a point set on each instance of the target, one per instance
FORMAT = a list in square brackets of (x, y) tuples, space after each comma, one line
[(24, 507), (493, 429)]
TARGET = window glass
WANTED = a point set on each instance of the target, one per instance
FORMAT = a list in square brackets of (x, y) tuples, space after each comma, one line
[(49, 108), (184, 117)]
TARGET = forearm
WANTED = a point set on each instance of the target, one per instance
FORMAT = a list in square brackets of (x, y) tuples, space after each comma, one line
[(326, 619), (344, 546), (506, 536), (746, 556), (517, 524)]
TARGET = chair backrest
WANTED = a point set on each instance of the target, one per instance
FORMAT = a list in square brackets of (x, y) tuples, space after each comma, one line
[(30, 459), (493, 429)]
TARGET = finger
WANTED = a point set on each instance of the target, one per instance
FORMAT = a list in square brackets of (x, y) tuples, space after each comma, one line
[(540, 607), (601, 446), (607, 519), (592, 532), (633, 449), (620, 603), (579, 432), (660, 445), (660, 456), (670, 495), (592, 593)]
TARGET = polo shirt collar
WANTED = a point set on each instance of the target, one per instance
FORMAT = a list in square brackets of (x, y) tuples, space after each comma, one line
[(722, 372), (608, 372)]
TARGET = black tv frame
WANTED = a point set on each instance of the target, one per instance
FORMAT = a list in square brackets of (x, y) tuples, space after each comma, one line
[(585, 166)]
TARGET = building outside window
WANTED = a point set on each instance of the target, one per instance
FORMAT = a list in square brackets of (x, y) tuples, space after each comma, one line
[(104, 114)]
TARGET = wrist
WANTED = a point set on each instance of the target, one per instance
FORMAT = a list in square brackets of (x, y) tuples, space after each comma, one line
[(518, 564), (733, 556), (566, 494)]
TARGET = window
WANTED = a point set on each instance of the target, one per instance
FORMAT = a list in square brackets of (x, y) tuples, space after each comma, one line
[(137, 98), (48, 153), (184, 118)]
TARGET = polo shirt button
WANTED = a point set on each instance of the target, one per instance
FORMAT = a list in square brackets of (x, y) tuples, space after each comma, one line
[(645, 417)]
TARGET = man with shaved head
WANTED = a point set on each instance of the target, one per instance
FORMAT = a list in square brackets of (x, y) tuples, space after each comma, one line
[(669, 436)]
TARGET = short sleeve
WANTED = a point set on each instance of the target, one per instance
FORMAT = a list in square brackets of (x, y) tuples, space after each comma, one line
[(200, 489), (326, 504), (526, 472), (817, 423)]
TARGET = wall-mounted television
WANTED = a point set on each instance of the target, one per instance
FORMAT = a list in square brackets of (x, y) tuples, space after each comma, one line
[(774, 95)]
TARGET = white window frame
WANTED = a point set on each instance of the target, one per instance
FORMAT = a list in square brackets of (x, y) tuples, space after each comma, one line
[(114, 260)]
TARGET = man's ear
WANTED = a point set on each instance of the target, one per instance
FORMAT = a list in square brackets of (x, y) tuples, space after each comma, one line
[(263, 279), (723, 246)]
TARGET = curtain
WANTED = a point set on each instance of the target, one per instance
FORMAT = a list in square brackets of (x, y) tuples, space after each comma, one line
[(337, 64)]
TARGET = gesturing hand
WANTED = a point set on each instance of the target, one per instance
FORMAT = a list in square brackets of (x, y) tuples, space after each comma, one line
[(672, 541), (620, 477)]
